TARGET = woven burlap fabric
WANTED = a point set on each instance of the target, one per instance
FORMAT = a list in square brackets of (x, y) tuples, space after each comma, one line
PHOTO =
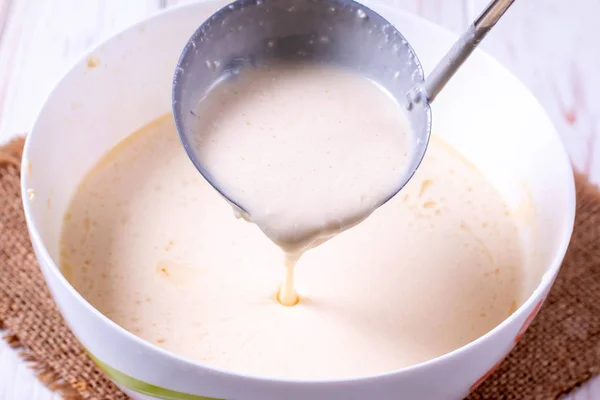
[(560, 350)]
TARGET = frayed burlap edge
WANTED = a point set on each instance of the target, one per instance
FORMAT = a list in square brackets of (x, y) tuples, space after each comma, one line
[(43, 372), (10, 154)]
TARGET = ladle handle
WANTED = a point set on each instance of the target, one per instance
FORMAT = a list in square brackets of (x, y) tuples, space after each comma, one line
[(463, 48)]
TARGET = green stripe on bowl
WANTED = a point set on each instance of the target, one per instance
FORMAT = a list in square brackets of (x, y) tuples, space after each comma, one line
[(142, 387)]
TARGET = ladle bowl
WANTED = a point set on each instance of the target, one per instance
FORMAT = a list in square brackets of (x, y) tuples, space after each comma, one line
[(250, 33)]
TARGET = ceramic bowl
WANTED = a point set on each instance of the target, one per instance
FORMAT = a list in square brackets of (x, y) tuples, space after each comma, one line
[(125, 83)]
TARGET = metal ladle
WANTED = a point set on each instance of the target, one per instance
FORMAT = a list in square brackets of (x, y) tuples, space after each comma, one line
[(250, 33)]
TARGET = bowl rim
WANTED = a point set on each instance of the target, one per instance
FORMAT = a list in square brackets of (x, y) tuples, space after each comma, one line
[(553, 265)]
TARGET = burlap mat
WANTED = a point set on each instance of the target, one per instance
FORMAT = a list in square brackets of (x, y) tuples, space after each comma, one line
[(560, 351)]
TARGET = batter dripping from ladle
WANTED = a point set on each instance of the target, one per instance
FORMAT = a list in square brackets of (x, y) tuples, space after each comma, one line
[(308, 150)]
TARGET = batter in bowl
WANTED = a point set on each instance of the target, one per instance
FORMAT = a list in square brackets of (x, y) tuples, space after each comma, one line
[(155, 248)]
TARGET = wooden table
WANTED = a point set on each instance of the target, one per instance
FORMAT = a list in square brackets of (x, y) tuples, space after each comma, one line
[(549, 44)]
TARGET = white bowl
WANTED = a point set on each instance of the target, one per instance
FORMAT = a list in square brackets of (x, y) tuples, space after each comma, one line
[(123, 84)]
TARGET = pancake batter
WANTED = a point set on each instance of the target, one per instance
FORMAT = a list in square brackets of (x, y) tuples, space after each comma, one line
[(155, 248)]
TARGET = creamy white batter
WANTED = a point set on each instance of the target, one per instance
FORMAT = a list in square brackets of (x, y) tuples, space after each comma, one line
[(151, 245), (307, 150)]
